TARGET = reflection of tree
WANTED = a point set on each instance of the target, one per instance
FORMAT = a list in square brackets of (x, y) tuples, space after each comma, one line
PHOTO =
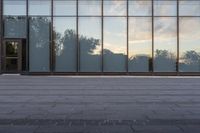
[(139, 63), (190, 61), (90, 51), (90, 58), (15, 27), (164, 60), (114, 61), (69, 39), (39, 39), (40, 32)]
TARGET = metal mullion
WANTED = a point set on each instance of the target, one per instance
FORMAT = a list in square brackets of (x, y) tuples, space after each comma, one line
[(27, 36), (77, 39), (1, 34), (102, 46), (89, 16), (178, 55), (152, 62), (64, 16), (127, 35), (52, 67)]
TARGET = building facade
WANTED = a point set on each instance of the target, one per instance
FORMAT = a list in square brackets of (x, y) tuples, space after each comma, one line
[(128, 37)]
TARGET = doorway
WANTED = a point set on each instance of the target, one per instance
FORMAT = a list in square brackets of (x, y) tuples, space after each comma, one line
[(12, 50)]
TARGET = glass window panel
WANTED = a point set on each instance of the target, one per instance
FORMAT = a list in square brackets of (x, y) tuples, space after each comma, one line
[(64, 7), (15, 27), (11, 64), (89, 7), (12, 49), (189, 8), (115, 7), (90, 44), (39, 41), (165, 44), (115, 44), (165, 8), (140, 43), (189, 44), (65, 43), (140, 8), (19, 7), (39, 7)]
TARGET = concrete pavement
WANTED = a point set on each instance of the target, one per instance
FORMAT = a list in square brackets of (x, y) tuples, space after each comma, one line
[(99, 104)]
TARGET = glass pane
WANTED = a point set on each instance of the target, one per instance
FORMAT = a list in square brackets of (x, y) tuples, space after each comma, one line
[(15, 27), (64, 7), (89, 7), (19, 7), (11, 65), (115, 44), (140, 8), (165, 44), (165, 8), (65, 42), (140, 44), (39, 40), (189, 44), (11, 49), (39, 7), (189, 8), (90, 44), (115, 7)]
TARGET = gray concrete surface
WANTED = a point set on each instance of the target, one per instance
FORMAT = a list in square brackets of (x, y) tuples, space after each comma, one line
[(53, 104)]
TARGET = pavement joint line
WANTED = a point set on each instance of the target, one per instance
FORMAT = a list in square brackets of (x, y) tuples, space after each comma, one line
[(100, 76), (82, 122)]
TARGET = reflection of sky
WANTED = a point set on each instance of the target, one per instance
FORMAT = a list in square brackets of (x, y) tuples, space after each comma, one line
[(140, 36), (61, 24), (64, 7), (115, 34), (189, 34), (115, 28), (165, 8), (91, 28), (111, 7), (189, 8), (18, 5), (136, 6), (91, 7), (165, 37), (115, 7), (39, 7)]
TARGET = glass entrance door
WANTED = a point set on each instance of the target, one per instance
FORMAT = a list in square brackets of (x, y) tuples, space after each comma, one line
[(12, 56)]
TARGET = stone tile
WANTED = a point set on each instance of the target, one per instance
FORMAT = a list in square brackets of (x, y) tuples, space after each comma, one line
[(17, 129), (156, 129)]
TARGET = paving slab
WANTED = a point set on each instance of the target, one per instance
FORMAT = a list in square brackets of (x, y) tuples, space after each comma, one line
[(99, 104)]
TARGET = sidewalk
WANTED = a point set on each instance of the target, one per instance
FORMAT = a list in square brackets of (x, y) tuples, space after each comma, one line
[(53, 104)]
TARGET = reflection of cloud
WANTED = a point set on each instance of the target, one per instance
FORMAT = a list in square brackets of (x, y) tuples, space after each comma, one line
[(136, 6), (119, 34), (189, 28), (189, 8), (165, 28), (165, 8), (119, 48), (115, 7)]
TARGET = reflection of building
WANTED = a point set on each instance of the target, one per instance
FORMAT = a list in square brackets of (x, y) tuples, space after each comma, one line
[(100, 36)]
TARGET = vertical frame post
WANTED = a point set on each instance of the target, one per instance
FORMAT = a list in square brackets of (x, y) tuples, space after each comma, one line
[(152, 60), (178, 55), (1, 33), (127, 35)]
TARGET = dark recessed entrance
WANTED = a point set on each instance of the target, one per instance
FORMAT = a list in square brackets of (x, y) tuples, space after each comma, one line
[(12, 51)]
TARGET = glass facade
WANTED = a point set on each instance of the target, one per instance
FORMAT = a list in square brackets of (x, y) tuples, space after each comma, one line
[(104, 36)]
